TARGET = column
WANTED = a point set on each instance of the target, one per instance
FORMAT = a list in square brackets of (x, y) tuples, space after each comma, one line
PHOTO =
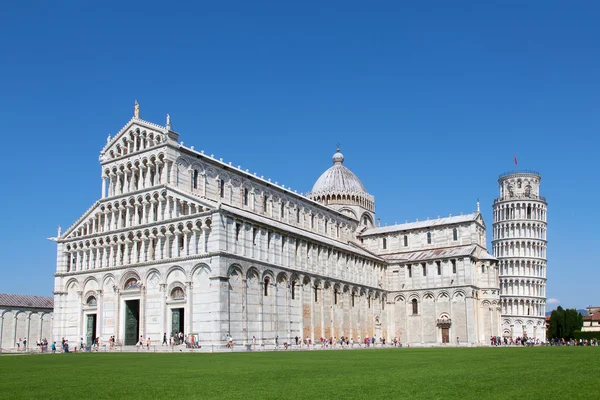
[(189, 313), (28, 328), (163, 307), (143, 311), (100, 314), (312, 313), (103, 186), (80, 332)]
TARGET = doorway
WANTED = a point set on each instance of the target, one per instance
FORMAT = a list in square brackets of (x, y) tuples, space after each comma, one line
[(90, 331), (177, 319), (445, 335), (132, 325)]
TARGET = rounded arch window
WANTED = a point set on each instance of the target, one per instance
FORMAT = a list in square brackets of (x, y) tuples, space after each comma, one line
[(132, 284), (91, 301), (177, 293)]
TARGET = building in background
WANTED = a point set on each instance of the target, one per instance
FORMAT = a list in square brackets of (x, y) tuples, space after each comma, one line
[(591, 321), (24, 317), (519, 243)]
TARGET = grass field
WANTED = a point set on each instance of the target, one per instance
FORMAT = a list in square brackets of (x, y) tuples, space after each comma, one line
[(479, 373)]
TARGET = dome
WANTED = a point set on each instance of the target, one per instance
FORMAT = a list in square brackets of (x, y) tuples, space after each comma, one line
[(338, 179)]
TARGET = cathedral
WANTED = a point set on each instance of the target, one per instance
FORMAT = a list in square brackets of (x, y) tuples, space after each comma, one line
[(183, 242)]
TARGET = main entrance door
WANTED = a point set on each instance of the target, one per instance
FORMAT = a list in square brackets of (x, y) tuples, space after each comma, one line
[(177, 320), (132, 325), (445, 335), (90, 332)]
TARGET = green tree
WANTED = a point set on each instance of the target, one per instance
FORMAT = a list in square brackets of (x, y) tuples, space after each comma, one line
[(564, 323)]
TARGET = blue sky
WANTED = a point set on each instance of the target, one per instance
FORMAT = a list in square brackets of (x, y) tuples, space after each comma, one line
[(429, 102)]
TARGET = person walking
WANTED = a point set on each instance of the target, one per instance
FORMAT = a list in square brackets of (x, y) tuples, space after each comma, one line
[(54, 348), (164, 343)]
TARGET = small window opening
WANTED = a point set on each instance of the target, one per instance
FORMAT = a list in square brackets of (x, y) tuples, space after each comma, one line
[(415, 307)]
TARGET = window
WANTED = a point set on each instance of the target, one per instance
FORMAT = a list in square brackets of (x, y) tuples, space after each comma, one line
[(428, 237), (483, 269), (269, 240), (316, 294), (453, 266), (384, 243), (405, 241), (297, 215), (222, 188), (177, 293), (91, 301), (415, 307), (439, 267), (238, 228), (181, 242), (424, 266), (132, 284), (409, 270), (195, 179), (455, 234), (267, 286), (293, 290), (335, 296), (382, 304), (245, 196), (352, 299), (369, 301), (254, 232), (282, 210), (264, 203), (312, 222), (325, 226)]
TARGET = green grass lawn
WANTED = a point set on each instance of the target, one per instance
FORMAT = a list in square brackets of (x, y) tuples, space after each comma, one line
[(479, 373)]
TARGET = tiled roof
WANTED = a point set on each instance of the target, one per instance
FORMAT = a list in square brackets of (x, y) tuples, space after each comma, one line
[(20, 300), (421, 224), (594, 317), (463, 251)]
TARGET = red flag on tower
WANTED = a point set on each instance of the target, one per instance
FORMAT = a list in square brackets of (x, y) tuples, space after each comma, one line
[(516, 161)]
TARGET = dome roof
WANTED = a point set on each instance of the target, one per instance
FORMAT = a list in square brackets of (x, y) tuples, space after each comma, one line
[(338, 179)]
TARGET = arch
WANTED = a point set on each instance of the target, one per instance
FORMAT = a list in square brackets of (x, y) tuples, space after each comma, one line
[(177, 292), (175, 272), (91, 299), (282, 278), (443, 296), (399, 298), (458, 294), (72, 283), (268, 273), (149, 272), (127, 276), (199, 268), (413, 296), (89, 280), (252, 273)]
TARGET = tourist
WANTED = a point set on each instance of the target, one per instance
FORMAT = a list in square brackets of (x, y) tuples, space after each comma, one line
[(277, 341), (148, 344), (164, 342), (53, 347), (296, 340), (253, 342)]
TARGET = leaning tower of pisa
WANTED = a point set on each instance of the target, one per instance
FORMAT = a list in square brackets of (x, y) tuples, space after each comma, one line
[(519, 243)]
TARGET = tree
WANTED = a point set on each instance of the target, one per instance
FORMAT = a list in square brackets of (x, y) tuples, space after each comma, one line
[(564, 323)]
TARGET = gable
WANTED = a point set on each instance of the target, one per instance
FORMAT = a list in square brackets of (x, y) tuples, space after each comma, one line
[(101, 217), (136, 136)]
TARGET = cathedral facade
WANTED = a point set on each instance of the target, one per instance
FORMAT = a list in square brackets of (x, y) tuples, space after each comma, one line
[(182, 242)]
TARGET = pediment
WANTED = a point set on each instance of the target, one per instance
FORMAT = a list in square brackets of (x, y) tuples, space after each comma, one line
[(81, 228), (479, 219), (136, 136)]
